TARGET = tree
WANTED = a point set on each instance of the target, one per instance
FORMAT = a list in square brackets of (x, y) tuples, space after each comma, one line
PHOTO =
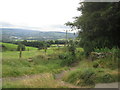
[(71, 48), (99, 24), (21, 47)]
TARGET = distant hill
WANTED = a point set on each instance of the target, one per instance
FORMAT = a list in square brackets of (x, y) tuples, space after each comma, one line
[(24, 34)]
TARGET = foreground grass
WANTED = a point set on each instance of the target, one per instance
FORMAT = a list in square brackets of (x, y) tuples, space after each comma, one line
[(45, 80), (87, 75), (43, 63), (49, 62)]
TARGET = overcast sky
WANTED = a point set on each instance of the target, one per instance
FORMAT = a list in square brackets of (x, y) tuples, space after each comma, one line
[(48, 15)]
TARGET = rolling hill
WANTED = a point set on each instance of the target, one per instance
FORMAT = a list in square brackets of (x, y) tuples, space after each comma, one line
[(24, 34)]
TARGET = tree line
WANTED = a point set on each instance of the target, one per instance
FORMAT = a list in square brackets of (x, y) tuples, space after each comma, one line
[(99, 25), (38, 44)]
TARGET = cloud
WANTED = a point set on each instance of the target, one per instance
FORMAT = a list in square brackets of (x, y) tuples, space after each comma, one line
[(60, 26), (4, 24), (40, 14), (57, 27)]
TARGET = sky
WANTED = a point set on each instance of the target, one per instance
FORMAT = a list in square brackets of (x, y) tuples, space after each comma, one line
[(43, 15)]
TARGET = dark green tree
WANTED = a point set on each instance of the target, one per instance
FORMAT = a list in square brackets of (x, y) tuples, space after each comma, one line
[(21, 47), (99, 24)]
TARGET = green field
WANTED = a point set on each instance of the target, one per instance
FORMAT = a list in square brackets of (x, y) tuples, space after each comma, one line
[(13, 47), (13, 66), (11, 60), (79, 53), (45, 66)]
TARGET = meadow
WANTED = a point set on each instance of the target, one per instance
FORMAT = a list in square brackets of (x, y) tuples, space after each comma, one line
[(41, 72)]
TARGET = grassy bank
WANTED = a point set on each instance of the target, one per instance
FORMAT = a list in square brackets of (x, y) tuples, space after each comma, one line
[(87, 75)]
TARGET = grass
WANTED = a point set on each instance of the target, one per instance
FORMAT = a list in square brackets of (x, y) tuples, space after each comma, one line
[(10, 47), (13, 66), (13, 47), (19, 68), (45, 80), (14, 55), (87, 75)]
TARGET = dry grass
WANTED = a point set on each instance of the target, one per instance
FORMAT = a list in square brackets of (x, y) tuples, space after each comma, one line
[(42, 81), (45, 80)]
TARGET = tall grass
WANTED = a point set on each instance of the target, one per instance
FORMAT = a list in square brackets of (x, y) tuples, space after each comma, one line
[(87, 75), (111, 58), (45, 80), (13, 66)]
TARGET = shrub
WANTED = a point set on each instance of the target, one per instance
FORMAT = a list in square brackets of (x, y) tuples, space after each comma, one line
[(88, 77), (111, 58), (84, 77), (68, 59), (95, 65), (62, 56), (106, 78), (72, 49)]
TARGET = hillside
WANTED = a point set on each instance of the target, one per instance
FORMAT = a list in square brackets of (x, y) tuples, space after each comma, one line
[(23, 34), (13, 47)]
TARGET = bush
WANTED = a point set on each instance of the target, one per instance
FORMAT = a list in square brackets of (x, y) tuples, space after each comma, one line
[(111, 59), (62, 56), (87, 46), (95, 65), (84, 77), (72, 49), (106, 78), (88, 77), (67, 59), (70, 56)]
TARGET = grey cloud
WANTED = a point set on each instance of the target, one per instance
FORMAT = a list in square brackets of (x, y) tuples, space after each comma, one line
[(4, 24), (60, 26)]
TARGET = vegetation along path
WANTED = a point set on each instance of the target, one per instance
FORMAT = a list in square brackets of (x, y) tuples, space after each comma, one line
[(57, 78)]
